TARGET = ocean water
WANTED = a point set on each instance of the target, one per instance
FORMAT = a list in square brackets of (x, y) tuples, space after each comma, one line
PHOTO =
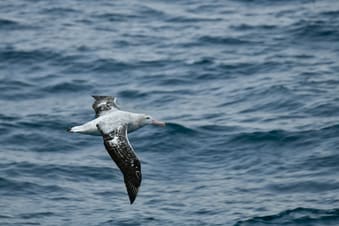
[(249, 90)]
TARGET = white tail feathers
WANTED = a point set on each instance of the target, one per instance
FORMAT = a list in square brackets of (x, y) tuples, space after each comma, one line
[(75, 129), (88, 128)]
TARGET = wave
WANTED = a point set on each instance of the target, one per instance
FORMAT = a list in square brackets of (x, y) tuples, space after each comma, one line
[(15, 84), (195, 19), (8, 24), (223, 40), (298, 216), (303, 186), (315, 30), (75, 85), (285, 136), (60, 11), (280, 136), (250, 27), (180, 129), (329, 161), (270, 2), (15, 56), (15, 187), (331, 13), (56, 171), (36, 215)]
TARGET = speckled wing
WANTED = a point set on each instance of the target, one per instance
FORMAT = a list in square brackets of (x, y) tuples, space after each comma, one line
[(104, 104), (120, 150)]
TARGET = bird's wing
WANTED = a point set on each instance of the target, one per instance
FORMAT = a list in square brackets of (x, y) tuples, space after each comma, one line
[(104, 104), (122, 153)]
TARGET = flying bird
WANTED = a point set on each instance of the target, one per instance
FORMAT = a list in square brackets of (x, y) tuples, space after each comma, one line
[(113, 125)]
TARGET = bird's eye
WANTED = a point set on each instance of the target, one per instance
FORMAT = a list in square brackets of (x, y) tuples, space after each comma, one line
[(147, 117)]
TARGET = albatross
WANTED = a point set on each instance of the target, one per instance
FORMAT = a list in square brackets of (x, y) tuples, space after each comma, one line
[(113, 125)]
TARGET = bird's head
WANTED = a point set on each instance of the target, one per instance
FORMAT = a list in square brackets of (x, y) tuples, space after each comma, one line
[(148, 120)]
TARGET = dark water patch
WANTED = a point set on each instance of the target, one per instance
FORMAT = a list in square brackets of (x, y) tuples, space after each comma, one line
[(107, 65), (174, 128), (286, 138), (5, 217), (331, 13), (132, 93), (330, 162), (22, 223), (39, 141), (227, 69), (157, 63), (214, 74), (65, 172), (303, 186), (239, 68), (327, 132), (298, 216), (123, 222), (177, 138), (60, 11), (36, 215), (219, 129), (36, 122), (223, 40), (174, 138), (322, 109), (190, 20), (151, 12), (29, 57), (270, 2), (320, 85), (280, 137), (15, 85), (272, 98), (250, 27), (64, 87), (211, 6), (172, 82), (19, 95), (273, 105), (15, 187), (7, 24), (7, 117), (148, 95), (4, 131), (203, 61), (315, 30), (116, 17)]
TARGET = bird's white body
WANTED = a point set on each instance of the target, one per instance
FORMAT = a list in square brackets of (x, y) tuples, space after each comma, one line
[(110, 121)]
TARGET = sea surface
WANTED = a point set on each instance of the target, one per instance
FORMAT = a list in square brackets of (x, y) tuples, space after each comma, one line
[(249, 90)]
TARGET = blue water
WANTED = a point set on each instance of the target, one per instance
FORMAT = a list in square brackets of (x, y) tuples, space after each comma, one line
[(249, 89)]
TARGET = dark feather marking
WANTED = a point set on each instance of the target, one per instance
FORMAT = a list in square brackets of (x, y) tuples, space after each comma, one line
[(120, 150), (103, 104)]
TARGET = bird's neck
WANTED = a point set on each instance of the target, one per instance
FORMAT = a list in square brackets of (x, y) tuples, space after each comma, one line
[(135, 122)]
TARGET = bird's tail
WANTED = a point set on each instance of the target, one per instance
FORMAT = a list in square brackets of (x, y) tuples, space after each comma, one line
[(74, 129), (85, 129)]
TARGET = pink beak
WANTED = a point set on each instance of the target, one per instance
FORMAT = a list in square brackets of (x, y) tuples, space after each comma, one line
[(158, 123)]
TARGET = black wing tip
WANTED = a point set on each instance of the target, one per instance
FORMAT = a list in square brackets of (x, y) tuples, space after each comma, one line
[(97, 97), (132, 197), (131, 200), (132, 191)]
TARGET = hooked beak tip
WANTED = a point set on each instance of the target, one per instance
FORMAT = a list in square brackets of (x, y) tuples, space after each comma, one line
[(158, 123)]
